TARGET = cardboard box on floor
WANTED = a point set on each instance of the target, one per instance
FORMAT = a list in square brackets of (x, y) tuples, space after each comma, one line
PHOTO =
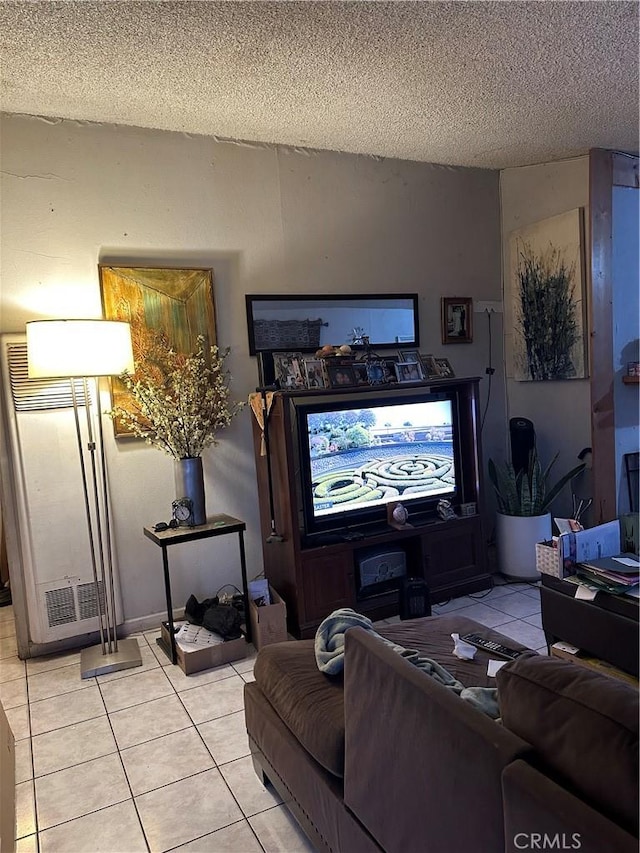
[(7, 785), (572, 653), (209, 656), (269, 622)]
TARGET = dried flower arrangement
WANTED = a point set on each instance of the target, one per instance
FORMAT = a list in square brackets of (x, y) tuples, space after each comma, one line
[(178, 402)]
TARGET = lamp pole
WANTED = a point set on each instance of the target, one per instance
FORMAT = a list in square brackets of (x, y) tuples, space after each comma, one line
[(86, 350)]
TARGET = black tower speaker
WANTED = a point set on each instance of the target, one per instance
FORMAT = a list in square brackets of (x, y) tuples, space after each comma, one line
[(523, 440)]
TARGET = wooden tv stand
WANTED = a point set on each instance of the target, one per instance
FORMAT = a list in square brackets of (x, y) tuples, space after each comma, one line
[(318, 574)]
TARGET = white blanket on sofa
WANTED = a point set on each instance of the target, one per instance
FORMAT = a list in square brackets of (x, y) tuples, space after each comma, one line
[(329, 651)]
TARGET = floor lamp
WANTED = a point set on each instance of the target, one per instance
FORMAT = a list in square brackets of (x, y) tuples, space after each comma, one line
[(85, 350)]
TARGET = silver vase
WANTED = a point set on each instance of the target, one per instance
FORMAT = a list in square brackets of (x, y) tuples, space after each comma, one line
[(190, 484)]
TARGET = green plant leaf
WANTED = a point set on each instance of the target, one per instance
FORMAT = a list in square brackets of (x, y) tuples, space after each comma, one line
[(559, 486), (527, 493), (505, 484), (547, 470), (525, 498)]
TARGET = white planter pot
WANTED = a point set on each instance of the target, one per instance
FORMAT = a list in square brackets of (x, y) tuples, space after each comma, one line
[(516, 538)]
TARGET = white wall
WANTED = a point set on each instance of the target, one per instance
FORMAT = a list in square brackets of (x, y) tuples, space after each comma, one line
[(267, 220), (559, 410), (625, 263)]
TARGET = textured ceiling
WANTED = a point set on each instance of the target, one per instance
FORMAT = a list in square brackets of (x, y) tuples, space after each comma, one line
[(463, 83)]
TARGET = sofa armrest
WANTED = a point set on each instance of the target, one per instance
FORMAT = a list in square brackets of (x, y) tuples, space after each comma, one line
[(535, 807), (422, 767)]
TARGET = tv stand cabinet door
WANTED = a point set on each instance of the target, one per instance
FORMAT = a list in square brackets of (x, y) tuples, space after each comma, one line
[(327, 583), (455, 559)]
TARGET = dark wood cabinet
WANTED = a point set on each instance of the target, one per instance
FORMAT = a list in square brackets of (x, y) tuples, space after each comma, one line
[(454, 559), (327, 582), (317, 575)]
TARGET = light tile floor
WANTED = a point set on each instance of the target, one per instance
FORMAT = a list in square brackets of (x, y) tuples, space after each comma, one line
[(149, 759)]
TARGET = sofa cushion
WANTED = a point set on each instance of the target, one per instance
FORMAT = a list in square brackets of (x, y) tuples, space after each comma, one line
[(309, 703), (584, 727), (431, 636)]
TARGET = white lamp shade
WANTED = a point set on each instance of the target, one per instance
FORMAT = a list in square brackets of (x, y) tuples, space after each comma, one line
[(59, 349)]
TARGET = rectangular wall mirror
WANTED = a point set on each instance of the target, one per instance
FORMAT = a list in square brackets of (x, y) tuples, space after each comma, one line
[(305, 323)]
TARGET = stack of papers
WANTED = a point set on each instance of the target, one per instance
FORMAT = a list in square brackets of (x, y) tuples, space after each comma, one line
[(593, 558), (193, 637), (615, 574)]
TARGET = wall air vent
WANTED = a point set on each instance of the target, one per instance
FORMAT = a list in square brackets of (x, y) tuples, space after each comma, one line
[(38, 394), (87, 604), (61, 607)]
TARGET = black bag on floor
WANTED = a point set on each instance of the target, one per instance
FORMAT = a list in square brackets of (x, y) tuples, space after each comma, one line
[(194, 610), (222, 619)]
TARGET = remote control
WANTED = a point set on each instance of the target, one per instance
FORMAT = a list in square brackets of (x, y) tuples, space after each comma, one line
[(491, 646)]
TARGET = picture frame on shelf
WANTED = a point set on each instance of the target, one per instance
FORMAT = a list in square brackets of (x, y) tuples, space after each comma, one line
[(376, 372), (389, 365), (266, 370), (429, 366), (288, 370), (409, 355), (457, 320), (314, 373), (341, 375), (360, 373), (444, 368), (408, 371)]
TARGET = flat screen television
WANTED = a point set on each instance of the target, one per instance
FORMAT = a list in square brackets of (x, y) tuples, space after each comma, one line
[(361, 452)]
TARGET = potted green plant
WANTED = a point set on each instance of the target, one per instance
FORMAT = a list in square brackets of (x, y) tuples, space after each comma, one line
[(523, 517)]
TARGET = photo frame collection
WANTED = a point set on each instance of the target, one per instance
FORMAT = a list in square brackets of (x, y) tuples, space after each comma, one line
[(296, 370)]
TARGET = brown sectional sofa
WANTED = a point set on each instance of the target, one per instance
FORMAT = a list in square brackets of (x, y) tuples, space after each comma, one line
[(385, 758)]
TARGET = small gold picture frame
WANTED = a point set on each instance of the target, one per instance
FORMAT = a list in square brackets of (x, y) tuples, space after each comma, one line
[(429, 366), (444, 367)]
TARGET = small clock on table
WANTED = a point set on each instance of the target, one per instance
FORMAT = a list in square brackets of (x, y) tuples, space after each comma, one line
[(182, 509)]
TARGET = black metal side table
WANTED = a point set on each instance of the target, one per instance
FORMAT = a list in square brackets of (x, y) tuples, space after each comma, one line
[(217, 525)]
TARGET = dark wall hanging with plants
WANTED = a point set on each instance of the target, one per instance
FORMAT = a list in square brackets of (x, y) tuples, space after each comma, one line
[(546, 280)]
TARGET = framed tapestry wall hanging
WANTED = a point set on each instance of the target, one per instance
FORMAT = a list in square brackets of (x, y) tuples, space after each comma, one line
[(177, 303)]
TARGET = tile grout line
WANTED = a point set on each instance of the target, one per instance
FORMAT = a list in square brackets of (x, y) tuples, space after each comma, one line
[(33, 767), (124, 770)]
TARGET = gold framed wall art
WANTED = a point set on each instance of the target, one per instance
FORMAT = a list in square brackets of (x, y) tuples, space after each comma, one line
[(177, 303)]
